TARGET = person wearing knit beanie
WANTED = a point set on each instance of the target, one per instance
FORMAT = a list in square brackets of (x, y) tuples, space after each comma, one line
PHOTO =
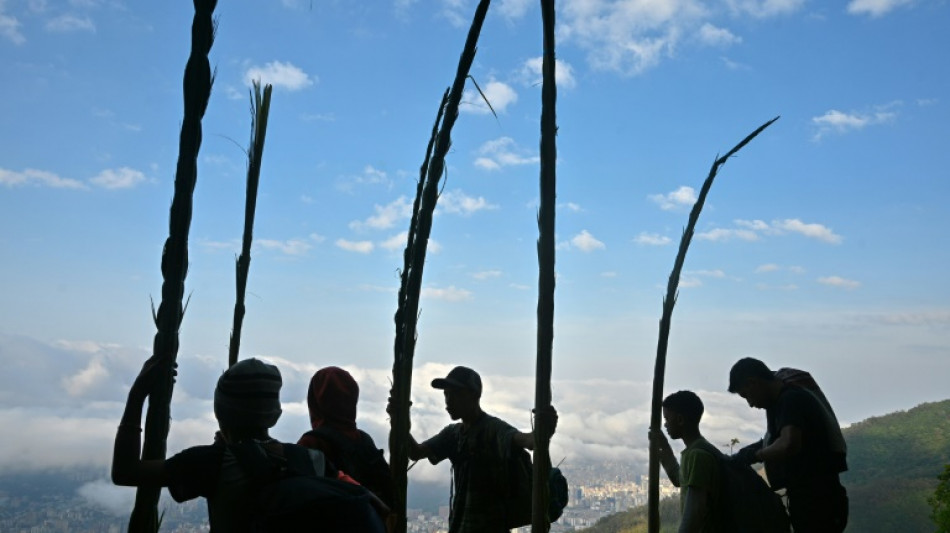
[(248, 396)]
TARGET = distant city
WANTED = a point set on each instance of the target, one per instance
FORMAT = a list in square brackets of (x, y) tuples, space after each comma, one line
[(51, 503)]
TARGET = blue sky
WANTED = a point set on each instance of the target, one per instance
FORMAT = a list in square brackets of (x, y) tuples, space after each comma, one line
[(823, 244)]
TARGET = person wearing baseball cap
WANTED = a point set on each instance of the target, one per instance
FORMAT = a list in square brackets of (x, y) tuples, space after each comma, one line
[(479, 447)]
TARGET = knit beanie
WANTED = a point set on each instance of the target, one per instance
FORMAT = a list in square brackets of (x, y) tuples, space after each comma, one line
[(332, 398), (248, 395)]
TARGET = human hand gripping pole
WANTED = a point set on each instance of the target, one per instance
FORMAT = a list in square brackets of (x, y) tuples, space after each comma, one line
[(126, 455)]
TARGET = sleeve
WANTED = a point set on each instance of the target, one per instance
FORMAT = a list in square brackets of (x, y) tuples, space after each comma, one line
[(194, 472), (443, 445), (698, 469)]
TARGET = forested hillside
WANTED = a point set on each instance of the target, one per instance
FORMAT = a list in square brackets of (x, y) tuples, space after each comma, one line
[(894, 461)]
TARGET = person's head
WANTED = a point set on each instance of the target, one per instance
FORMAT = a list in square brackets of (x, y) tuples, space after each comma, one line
[(462, 388), (753, 381), (331, 399), (247, 399), (681, 414)]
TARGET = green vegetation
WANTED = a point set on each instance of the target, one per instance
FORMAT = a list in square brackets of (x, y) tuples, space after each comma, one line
[(893, 464), (940, 501), (635, 520)]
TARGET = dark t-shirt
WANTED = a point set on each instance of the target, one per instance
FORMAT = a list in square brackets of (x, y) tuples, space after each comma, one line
[(817, 458), (479, 456), (212, 472)]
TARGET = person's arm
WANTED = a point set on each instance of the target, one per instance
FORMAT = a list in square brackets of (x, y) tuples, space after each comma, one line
[(694, 510), (788, 443), (416, 451), (746, 454), (667, 459), (128, 469), (526, 440)]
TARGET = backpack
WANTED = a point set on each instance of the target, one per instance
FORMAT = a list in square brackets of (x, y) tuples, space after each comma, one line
[(293, 495), (360, 460), (520, 484), (746, 502), (803, 380)]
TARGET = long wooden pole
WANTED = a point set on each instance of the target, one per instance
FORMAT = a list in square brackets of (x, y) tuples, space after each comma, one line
[(197, 91), (260, 110), (402, 365), (546, 281), (653, 487)]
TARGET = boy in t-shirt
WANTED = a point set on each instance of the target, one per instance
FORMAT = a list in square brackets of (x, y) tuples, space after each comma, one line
[(697, 473)]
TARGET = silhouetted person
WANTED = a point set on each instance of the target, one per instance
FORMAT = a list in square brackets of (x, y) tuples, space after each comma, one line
[(803, 449), (698, 472), (479, 448), (331, 399)]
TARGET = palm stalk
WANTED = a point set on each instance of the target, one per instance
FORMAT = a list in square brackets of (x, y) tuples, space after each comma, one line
[(417, 243), (546, 256), (653, 488), (402, 366), (198, 79), (260, 109)]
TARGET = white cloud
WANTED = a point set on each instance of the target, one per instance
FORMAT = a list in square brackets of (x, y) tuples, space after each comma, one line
[(10, 27), (39, 178), (563, 73), (108, 496), (448, 294), (120, 178), (369, 176), (652, 239), (69, 23), (813, 231), (457, 12), (609, 274), (396, 242), (500, 95), (770, 267), (715, 36), (751, 230), (767, 287), (514, 9), (279, 74), (362, 247), (93, 375), (504, 152), (571, 206), (839, 122), (295, 247), (386, 215), (458, 203), (754, 225), (487, 274), (764, 8), (718, 274), (722, 235), (683, 197), (629, 36), (837, 281), (875, 8), (584, 242)]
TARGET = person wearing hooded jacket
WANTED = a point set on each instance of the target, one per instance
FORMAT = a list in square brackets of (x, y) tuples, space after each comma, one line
[(331, 399)]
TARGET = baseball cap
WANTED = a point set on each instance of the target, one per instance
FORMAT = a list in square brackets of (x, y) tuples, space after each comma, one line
[(460, 377)]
